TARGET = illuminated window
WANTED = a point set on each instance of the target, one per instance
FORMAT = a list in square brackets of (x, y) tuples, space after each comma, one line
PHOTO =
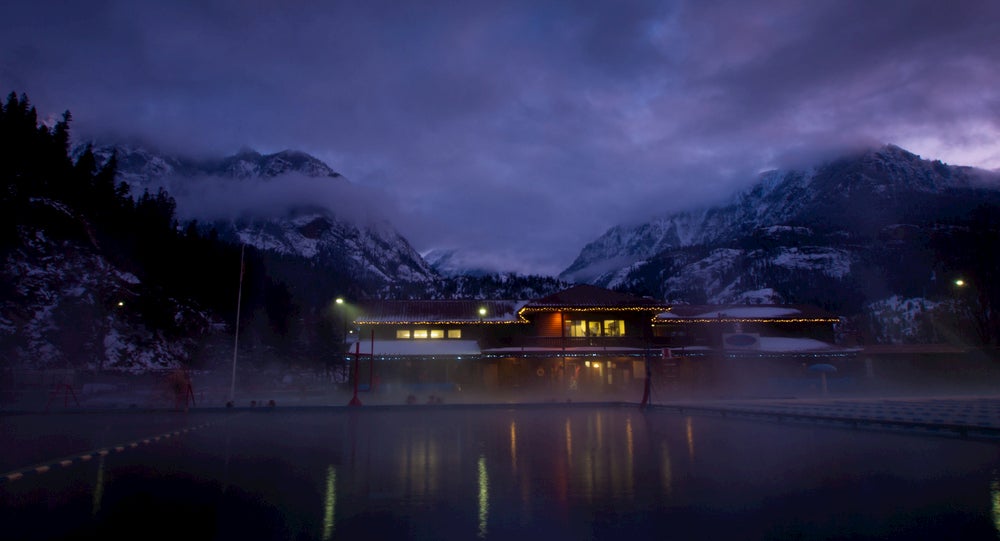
[(614, 327), (583, 328), (437, 333), (420, 334), (576, 328), (402, 334), (454, 333)]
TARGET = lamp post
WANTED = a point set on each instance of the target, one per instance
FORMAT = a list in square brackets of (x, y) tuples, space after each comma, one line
[(236, 330), (343, 317), (342, 308)]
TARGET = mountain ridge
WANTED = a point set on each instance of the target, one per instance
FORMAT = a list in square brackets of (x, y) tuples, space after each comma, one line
[(376, 250), (853, 235), (810, 198)]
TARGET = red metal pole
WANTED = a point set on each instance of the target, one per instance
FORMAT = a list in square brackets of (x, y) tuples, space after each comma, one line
[(647, 386), (371, 365), (355, 401)]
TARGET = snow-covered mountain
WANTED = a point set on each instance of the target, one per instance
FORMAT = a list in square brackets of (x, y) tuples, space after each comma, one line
[(858, 194), (453, 263), (373, 250), (142, 168), (850, 231)]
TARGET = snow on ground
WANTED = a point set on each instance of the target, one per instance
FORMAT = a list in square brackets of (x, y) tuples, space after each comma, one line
[(750, 312), (777, 344), (759, 296), (419, 347), (899, 319), (831, 262)]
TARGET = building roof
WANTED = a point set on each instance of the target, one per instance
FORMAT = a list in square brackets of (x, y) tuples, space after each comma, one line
[(585, 296), (416, 312), (743, 313)]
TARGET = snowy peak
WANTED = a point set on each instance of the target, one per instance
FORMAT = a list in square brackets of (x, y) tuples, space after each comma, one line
[(311, 231), (141, 167), (251, 164), (857, 195), (449, 262)]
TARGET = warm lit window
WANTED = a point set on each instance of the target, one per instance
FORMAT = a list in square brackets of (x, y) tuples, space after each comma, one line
[(583, 328), (402, 334), (593, 328), (614, 327), (420, 333), (437, 333), (454, 333), (576, 328)]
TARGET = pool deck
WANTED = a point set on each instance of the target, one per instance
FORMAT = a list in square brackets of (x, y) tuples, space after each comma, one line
[(961, 416)]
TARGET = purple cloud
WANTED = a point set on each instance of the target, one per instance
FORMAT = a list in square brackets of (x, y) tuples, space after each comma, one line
[(518, 131)]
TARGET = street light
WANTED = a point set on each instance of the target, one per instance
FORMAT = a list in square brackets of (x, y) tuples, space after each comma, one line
[(960, 282), (343, 316), (342, 308)]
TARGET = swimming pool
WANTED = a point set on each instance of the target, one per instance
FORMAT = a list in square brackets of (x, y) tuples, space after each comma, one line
[(507, 472)]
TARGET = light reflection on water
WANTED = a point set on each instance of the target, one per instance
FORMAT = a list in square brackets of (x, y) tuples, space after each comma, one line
[(484, 497), (557, 473), (98, 486), (689, 432), (995, 497), (666, 470), (513, 447), (330, 503)]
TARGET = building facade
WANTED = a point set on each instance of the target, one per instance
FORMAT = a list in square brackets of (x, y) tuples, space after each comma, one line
[(585, 339)]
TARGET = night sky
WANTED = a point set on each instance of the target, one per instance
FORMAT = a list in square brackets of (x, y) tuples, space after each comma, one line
[(517, 131)]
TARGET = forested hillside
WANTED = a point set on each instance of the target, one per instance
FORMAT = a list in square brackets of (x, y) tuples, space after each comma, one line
[(96, 277)]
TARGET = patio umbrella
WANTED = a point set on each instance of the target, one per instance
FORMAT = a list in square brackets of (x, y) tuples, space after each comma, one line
[(823, 369)]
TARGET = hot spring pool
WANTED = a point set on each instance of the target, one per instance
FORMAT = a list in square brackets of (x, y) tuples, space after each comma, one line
[(529, 472)]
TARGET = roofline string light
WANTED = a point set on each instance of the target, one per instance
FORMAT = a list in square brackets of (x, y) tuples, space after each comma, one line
[(444, 322), (680, 320), (520, 316)]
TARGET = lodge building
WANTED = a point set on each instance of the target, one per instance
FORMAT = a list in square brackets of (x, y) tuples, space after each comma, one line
[(584, 338)]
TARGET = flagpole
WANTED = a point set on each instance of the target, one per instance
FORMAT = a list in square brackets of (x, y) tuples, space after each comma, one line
[(236, 332)]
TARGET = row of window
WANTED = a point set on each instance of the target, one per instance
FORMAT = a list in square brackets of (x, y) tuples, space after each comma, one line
[(583, 328), (424, 334), (577, 328)]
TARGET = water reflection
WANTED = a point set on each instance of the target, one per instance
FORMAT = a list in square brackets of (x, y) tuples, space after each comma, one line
[(995, 497), (98, 487), (421, 465), (513, 446), (666, 472), (569, 441), (330, 503), (629, 457), (689, 432), (484, 497), (571, 473)]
